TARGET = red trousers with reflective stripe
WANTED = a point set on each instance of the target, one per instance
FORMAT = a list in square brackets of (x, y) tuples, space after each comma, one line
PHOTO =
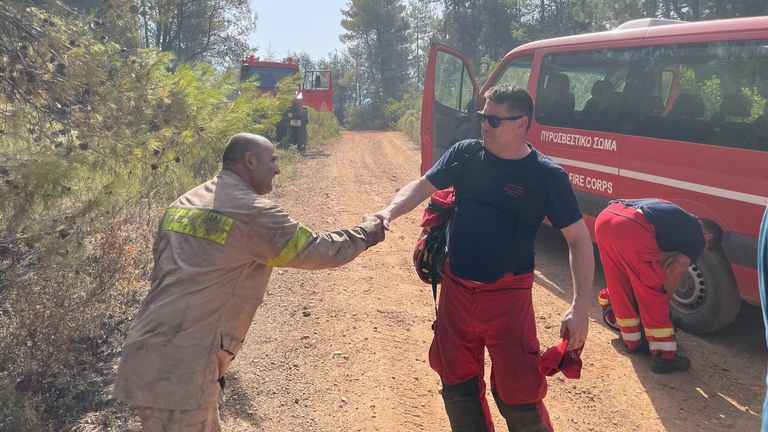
[(632, 264), (473, 316)]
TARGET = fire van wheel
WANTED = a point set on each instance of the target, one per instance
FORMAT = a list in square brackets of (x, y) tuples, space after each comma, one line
[(707, 299)]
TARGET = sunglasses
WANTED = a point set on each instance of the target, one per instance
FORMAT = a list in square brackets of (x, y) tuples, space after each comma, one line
[(495, 121)]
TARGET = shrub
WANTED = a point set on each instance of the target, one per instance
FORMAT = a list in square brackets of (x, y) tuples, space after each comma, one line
[(409, 121), (95, 140), (322, 127), (365, 117)]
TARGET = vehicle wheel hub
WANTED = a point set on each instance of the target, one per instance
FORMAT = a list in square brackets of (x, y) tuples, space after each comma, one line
[(692, 293)]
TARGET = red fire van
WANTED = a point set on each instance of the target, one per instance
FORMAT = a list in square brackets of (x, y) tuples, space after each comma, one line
[(654, 108)]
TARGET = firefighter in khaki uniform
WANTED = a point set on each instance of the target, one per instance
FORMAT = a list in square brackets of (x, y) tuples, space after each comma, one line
[(214, 253)]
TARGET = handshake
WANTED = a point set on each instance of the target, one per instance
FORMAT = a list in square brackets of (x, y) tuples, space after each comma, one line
[(375, 225), (384, 216)]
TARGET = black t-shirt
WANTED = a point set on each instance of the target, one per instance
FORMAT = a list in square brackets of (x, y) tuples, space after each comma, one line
[(676, 229), (500, 205)]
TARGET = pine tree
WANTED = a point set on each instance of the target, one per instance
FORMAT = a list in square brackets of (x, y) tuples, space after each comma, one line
[(377, 31)]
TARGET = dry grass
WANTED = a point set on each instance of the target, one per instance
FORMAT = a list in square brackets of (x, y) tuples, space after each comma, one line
[(67, 304)]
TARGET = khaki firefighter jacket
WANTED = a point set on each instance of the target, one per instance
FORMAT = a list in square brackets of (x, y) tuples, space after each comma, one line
[(214, 253)]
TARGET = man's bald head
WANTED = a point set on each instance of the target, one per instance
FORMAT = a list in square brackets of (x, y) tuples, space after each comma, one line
[(253, 159), (243, 143)]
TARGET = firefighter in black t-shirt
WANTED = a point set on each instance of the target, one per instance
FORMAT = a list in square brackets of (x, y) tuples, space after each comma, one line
[(503, 193)]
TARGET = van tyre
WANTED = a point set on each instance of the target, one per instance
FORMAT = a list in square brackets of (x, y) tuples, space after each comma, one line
[(707, 299)]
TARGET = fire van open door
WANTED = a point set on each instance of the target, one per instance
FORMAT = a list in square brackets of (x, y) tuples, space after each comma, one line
[(449, 104)]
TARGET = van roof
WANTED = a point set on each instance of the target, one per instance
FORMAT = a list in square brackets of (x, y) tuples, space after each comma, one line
[(648, 28), (647, 22)]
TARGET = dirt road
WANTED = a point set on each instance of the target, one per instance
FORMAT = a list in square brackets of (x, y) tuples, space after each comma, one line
[(345, 349)]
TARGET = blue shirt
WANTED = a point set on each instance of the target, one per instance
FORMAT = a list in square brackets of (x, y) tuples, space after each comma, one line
[(500, 205), (676, 229)]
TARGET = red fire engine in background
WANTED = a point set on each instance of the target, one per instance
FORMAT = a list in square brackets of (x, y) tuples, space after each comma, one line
[(315, 91)]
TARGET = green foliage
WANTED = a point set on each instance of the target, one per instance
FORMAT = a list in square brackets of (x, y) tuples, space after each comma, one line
[(366, 117), (143, 129), (708, 89), (287, 157), (423, 17), (345, 84), (410, 120), (759, 105), (484, 30), (395, 109), (95, 140), (194, 31), (487, 66), (322, 127), (378, 33), (480, 28)]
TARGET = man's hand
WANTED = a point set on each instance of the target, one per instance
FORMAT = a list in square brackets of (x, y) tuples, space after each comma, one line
[(385, 216), (406, 199), (576, 325)]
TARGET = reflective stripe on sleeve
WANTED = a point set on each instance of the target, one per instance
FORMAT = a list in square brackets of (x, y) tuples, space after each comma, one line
[(292, 248), (603, 302), (205, 224)]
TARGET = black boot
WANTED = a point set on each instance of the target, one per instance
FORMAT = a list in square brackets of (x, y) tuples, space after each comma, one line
[(462, 404), (521, 418)]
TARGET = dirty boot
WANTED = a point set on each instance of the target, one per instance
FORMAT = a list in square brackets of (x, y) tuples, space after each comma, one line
[(677, 364)]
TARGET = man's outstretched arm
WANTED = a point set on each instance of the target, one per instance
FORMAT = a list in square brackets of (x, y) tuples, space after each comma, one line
[(406, 199)]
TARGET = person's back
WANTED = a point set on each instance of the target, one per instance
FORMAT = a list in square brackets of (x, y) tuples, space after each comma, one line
[(676, 229), (631, 235)]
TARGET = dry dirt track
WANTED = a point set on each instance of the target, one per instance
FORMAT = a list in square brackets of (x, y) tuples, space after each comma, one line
[(345, 349)]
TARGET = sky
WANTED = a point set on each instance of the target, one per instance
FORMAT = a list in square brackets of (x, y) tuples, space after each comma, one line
[(312, 26)]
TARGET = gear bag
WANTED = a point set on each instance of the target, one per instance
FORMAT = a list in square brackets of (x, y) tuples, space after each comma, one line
[(430, 251)]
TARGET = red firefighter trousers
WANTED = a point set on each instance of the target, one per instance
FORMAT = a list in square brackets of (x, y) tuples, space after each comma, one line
[(473, 316), (632, 265)]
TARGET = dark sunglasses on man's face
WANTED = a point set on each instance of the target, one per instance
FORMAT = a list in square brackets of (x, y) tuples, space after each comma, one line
[(495, 121)]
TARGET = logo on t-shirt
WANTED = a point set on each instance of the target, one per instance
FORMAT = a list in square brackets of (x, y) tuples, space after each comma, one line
[(514, 190)]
